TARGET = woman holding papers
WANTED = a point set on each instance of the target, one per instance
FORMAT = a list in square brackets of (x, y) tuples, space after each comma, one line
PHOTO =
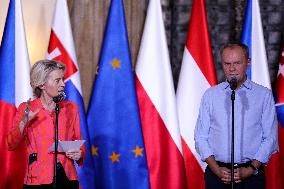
[(34, 124)]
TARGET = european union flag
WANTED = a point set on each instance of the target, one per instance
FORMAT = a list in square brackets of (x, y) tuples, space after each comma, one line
[(113, 115)]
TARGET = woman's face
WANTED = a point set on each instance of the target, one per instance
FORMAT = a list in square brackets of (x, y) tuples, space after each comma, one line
[(54, 84)]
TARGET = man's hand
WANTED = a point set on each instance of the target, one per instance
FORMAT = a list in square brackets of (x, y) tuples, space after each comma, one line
[(242, 173), (224, 174)]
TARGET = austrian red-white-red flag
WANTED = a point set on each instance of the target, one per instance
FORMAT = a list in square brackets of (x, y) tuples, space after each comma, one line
[(157, 104), (61, 48), (197, 74)]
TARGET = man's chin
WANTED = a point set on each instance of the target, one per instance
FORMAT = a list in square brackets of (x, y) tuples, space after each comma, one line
[(233, 77)]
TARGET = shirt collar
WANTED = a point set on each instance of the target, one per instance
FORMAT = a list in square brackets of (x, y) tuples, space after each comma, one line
[(247, 84)]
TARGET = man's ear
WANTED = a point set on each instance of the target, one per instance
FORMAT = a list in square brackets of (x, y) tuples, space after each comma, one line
[(248, 62)]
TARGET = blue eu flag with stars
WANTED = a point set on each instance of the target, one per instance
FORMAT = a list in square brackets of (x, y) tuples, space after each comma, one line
[(113, 117)]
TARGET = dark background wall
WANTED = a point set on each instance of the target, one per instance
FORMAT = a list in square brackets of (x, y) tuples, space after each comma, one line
[(225, 18)]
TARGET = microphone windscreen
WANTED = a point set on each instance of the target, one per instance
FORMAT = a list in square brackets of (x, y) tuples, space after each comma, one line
[(59, 97), (233, 83)]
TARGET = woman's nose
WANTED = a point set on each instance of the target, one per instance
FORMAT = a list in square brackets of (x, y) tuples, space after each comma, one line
[(62, 83)]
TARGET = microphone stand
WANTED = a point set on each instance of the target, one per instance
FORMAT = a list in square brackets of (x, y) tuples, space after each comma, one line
[(232, 144), (55, 144)]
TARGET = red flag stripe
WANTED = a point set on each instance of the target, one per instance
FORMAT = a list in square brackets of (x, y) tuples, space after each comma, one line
[(280, 79), (281, 147), (198, 41), (63, 56), (194, 171), (163, 156), (273, 172), (12, 169)]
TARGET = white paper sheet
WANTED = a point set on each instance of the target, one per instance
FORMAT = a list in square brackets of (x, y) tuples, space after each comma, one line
[(64, 146)]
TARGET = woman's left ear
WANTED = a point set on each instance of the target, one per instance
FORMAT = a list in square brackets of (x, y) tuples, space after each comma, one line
[(42, 86)]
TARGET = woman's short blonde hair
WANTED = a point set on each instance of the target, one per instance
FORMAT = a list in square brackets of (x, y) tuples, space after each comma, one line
[(40, 71)]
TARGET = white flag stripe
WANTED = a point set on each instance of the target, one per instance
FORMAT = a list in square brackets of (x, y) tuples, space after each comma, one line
[(23, 90), (259, 67), (193, 84), (154, 71), (62, 28), (55, 53), (279, 104)]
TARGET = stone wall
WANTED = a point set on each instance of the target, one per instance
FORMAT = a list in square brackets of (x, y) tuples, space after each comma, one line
[(88, 18), (225, 20)]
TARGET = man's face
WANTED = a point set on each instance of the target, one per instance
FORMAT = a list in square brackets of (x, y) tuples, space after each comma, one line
[(235, 64)]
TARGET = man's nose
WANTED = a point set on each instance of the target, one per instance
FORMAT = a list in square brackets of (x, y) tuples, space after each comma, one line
[(232, 67)]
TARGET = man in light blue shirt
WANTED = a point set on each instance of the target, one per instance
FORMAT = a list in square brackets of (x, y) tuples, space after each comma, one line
[(255, 126)]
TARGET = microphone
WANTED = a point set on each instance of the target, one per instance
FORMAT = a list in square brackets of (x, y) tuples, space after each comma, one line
[(233, 83), (59, 97)]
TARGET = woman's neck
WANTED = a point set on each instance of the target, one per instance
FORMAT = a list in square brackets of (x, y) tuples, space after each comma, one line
[(47, 102)]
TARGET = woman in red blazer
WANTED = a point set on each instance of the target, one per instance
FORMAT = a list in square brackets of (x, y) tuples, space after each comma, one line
[(34, 124)]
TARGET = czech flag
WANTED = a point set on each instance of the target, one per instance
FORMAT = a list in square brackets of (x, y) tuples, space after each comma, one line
[(15, 88)]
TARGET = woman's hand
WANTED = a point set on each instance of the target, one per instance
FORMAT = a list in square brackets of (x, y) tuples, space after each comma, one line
[(27, 116), (74, 154)]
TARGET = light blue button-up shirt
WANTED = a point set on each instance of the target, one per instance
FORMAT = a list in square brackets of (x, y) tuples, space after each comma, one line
[(255, 123)]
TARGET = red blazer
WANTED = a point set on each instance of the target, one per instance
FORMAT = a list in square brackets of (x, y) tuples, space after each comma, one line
[(39, 136)]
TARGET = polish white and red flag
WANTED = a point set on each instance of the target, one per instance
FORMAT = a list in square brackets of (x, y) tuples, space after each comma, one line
[(157, 105), (61, 48), (197, 74)]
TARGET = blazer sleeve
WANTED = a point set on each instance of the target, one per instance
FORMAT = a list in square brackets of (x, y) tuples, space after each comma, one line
[(15, 137), (77, 132)]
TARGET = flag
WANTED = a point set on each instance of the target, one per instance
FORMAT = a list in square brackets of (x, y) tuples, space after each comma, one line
[(157, 104), (252, 36), (61, 48), (15, 88), (279, 90), (113, 114), (197, 74)]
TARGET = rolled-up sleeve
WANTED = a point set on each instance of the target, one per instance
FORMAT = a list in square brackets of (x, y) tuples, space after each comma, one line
[(201, 133), (15, 137), (269, 143), (77, 133)]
